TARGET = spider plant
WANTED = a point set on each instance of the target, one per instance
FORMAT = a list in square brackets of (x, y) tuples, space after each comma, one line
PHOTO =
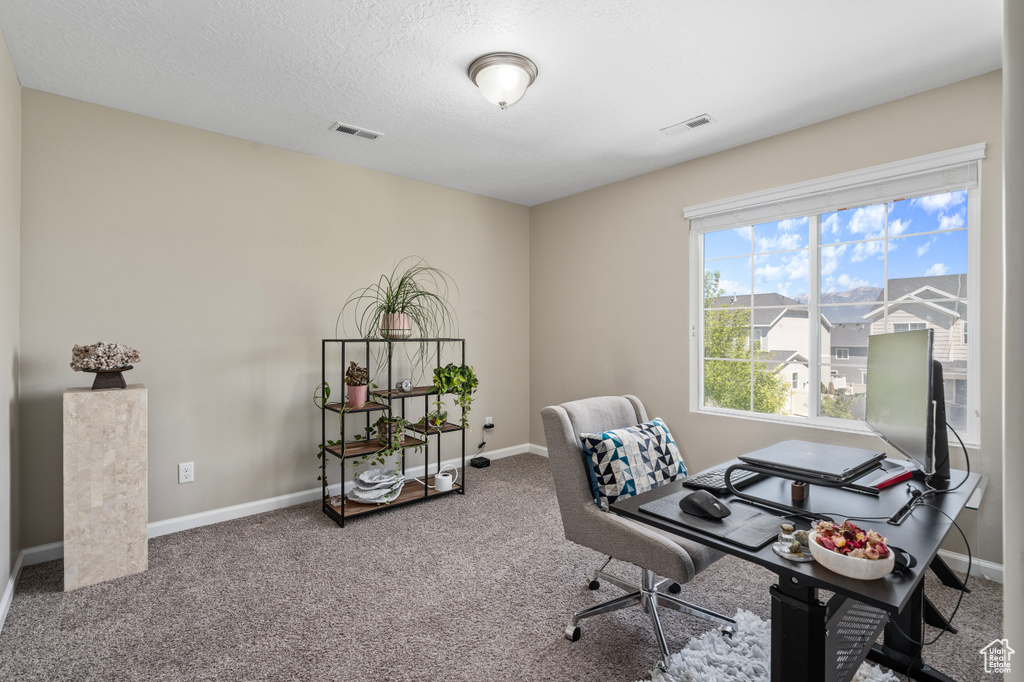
[(414, 289)]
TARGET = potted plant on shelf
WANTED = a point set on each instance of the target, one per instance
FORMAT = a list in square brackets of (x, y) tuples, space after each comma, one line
[(413, 298), (436, 418), (390, 431), (356, 378), (461, 382)]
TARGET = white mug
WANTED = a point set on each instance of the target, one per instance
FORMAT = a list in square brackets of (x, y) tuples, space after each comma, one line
[(443, 480)]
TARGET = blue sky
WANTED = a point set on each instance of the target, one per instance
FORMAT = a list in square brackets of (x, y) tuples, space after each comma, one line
[(927, 236)]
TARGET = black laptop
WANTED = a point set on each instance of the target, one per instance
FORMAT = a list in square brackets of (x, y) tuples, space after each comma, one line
[(808, 461)]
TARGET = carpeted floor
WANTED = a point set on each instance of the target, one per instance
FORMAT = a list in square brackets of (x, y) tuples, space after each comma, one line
[(475, 588)]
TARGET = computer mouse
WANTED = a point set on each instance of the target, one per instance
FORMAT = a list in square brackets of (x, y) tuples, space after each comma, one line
[(703, 504)]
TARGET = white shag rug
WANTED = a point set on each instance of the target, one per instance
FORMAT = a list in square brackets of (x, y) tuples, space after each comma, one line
[(744, 657)]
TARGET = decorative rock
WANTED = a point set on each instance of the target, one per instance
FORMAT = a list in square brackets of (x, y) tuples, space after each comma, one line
[(103, 356)]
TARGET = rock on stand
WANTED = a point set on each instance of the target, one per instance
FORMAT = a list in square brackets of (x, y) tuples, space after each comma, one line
[(106, 360)]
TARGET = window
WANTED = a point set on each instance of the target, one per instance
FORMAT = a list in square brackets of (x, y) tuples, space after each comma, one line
[(784, 289)]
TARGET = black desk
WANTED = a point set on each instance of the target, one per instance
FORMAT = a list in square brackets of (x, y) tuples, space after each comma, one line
[(817, 641)]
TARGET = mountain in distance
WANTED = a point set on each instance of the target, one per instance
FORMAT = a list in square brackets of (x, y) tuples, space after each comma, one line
[(846, 313)]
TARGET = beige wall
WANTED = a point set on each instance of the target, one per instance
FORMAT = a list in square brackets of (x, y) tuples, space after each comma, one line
[(1013, 247), (609, 275), (225, 262), (10, 264)]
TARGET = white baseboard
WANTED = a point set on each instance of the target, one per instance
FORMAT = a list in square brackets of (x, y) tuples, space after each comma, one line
[(537, 450), (237, 511), (5, 603), (979, 567), (40, 553)]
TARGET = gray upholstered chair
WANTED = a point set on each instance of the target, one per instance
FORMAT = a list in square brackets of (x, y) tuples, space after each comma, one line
[(656, 553)]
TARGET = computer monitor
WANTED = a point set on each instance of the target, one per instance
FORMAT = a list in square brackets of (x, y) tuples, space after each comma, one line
[(905, 402)]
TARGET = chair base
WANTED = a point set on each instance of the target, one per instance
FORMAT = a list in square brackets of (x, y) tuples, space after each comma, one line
[(650, 597)]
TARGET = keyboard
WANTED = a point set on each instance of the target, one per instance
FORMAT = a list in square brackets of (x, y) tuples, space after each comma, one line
[(713, 480)]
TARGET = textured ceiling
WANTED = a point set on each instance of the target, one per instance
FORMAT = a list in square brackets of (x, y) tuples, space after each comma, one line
[(612, 74)]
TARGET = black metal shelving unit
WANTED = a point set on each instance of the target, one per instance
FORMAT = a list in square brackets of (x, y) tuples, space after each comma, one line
[(395, 400)]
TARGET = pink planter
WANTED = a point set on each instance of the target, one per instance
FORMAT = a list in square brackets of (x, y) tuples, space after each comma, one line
[(395, 326), (356, 395)]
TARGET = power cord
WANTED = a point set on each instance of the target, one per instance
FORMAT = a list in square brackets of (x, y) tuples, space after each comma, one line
[(959, 599)]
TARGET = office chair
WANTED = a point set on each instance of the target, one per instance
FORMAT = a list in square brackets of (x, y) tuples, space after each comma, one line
[(656, 553)]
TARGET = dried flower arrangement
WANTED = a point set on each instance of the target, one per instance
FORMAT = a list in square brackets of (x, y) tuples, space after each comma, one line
[(849, 540)]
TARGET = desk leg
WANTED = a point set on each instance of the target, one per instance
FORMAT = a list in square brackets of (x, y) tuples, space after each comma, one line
[(798, 633), (901, 650)]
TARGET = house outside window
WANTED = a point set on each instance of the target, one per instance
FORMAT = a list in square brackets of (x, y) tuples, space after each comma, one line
[(796, 284)]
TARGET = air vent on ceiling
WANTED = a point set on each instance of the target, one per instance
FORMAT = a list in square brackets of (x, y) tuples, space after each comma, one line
[(355, 130), (695, 122)]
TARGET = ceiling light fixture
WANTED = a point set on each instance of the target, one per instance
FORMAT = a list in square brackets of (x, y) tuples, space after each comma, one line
[(503, 77)]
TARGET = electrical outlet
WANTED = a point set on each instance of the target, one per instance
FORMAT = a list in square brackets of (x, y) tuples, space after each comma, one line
[(186, 472), (489, 421)]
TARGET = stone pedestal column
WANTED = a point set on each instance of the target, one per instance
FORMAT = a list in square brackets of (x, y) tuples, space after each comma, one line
[(106, 505)]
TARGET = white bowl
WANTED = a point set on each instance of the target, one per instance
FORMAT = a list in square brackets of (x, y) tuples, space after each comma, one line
[(859, 569)]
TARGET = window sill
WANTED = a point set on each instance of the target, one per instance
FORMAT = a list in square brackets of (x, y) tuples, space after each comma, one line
[(825, 424)]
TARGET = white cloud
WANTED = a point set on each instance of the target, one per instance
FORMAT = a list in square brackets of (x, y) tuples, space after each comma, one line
[(846, 282), (797, 266), (744, 233), (865, 250), (936, 270), (868, 219), (940, 202), (791, 224), (781, 242), (730, 287), (831, 224), (923, 249), (951, 222), (899, 226), (767, 272), (830, 257)]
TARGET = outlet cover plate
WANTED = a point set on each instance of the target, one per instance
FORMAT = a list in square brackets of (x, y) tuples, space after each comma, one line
[(186, 472)]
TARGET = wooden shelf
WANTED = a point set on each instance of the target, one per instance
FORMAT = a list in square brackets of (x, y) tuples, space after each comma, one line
[(411, 492), (447, 427), (416, 391), (390, 402), (358, 448), (365, 407)]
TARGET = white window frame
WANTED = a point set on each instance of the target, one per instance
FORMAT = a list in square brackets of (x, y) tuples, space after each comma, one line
[(954, 170), (846, 353)]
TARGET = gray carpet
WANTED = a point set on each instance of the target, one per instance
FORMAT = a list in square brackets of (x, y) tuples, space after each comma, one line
[(475, 587)]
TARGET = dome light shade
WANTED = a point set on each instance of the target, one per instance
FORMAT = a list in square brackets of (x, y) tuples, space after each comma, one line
[(503, 77)]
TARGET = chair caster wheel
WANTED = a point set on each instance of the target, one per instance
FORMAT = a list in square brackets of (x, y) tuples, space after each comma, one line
[(594, 584), (727, 631), (572, 632), (674, 588)]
